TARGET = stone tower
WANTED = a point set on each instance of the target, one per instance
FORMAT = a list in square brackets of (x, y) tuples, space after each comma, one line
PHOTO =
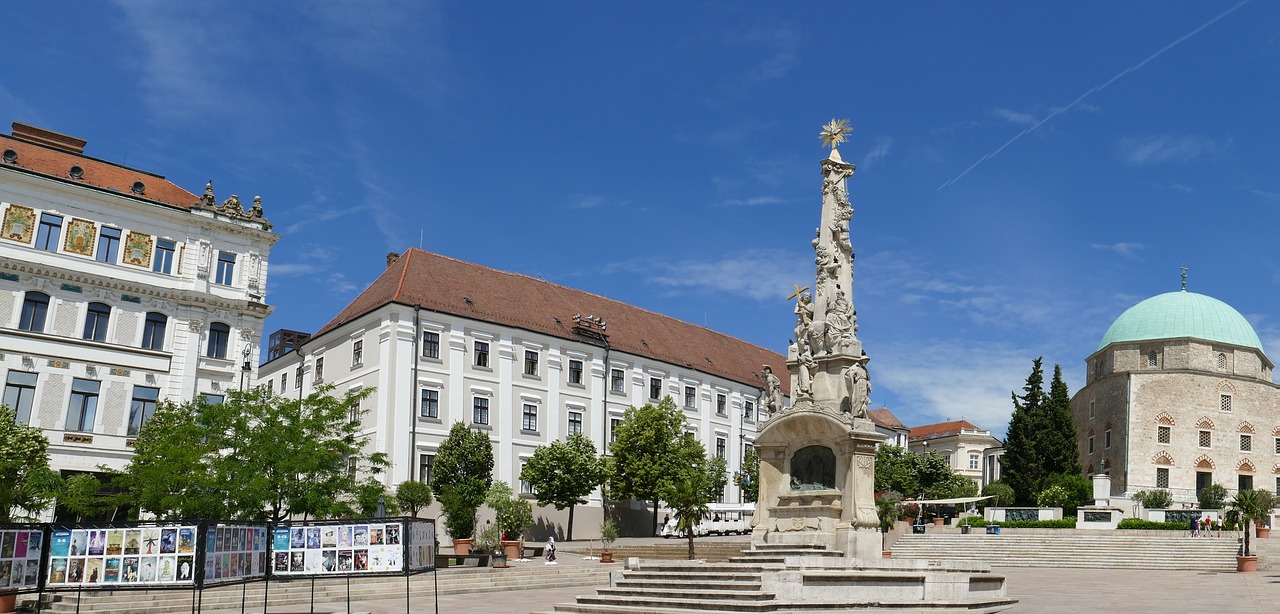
[(817, 456)]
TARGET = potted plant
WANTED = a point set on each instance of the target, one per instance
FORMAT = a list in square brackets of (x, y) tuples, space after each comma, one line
[(460, 522), (1251, 506), (488, 543), (608, 535), (514, 515), (1268, 502)]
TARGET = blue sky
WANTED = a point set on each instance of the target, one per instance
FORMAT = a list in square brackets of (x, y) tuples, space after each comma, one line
[(667, 155)]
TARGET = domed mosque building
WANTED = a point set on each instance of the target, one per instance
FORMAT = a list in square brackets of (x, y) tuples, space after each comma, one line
[(1179, 396)]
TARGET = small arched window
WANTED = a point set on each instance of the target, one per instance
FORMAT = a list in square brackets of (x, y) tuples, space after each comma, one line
[(219, 334), (153, 331), (1222, 362), (96, 320), (35, 307), (1153, 359)]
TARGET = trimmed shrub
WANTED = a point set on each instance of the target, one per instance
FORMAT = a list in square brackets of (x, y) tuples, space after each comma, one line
[(1150, 525), (1065, 523), (1154, 499), (1212, 497)]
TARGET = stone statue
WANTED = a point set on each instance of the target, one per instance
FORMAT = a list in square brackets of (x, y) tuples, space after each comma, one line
[(840, 235), (773, 391), (839, 322), (256, 211), (232, 203), (804, 315), (208, 200), (828, 267), (808, 367), (858, 384)]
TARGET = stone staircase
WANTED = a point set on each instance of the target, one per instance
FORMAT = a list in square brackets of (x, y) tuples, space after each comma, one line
[(679, 586), (329, 590), (675, 549), (1101, 550)]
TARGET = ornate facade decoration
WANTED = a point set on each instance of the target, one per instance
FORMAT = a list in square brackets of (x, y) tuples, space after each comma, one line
[(230, 207)]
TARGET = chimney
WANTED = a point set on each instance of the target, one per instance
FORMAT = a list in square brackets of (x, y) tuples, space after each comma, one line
[(48, 138), (392, 257)]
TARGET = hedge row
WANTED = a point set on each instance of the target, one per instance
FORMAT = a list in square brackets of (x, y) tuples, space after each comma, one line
[(1065, 523), (1151, 525)]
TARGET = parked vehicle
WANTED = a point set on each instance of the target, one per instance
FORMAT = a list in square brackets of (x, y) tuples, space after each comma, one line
[(724, 519)]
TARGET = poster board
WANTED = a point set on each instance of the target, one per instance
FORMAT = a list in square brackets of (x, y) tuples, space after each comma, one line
[(234, 552), (420, 545), (119, 555), (21, 550), (339, 547)]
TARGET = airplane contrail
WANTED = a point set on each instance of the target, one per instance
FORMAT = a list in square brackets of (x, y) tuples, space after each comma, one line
[(1095, 89)]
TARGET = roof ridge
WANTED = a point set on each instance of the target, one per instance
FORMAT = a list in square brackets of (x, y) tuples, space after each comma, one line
[(581, 291), (404, 271), (87, 157)]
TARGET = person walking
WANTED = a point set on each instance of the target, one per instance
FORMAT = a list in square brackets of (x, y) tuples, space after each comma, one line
[(1193, 530)]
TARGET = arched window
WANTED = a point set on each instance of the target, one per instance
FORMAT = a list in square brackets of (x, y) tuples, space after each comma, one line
[(1222, 362), (1153, 359), (219, 333), (153, 331), (95, 321), (35, 306)]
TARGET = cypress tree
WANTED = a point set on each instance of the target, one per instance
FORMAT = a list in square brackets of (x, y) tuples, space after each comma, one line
[(1061, 450), (1022, 465)]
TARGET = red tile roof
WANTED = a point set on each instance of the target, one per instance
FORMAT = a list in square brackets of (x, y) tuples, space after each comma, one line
[(885, 418), (443, 284), (42, 156), (942, 429)]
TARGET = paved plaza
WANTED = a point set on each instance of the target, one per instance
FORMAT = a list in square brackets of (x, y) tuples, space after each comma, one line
[(1039, 591)]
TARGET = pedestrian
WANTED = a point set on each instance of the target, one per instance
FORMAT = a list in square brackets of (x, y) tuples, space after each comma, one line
[(551, 551), (1195, 525)]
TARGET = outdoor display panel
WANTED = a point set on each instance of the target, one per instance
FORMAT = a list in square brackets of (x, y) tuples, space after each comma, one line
[(235, 552), (21, 549), (420, 547), (92, 556), (364, 546)]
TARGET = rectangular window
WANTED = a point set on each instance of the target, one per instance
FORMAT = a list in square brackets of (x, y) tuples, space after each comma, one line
[(1206, 439), (35, 308), (143, 405), (425, 463), (153, 331), (1164, 434), (226, 272), (720, 446), (49, 232), (1246, 443), (615, 380), (19, 393), (975, 461), (948, 459), (430, 405), (319, 370), (479, 410), (748, 411), (1224, 402), (1091, 444), (525, 487), (613, 429), (1244, 482), (1203, 480), (297, 377), (83, 405), (1162, 478), (96, 318), (1153, 359), (575, 422), (690, 396), (530, 363), (721, 400), (575, 371), (357, 352), (430, 345), (1106, 439), (163, 262), (284, 382), (219, 335), (271, 386), (529, 417), (210, 399), (1277, 445), (108, 245), (482, 354), (655, 388)]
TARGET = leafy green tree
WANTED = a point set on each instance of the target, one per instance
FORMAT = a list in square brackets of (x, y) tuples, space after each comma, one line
[(27, 485), (413, 496), (692, 488), (461, 476), (749, 477), (514, 514), (1252, 505), (919, 474), (1212, 497), (1078, 488), (1157, 499), (1002, 494), (255, 456), (374, 499), (1022, 466), (647, 452), (1058, 441), (563, 473), (889, 508), (81, 494)]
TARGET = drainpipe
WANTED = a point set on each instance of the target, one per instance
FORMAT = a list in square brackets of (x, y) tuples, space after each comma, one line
[(413, 385)]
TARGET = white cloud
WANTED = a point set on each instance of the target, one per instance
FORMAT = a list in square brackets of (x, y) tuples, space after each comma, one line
[(784, 43), (288, 269), (754, 201), (753, 274), (339, 284), (1122, 248), (1014, 117), (1141, 151), (878, 152)]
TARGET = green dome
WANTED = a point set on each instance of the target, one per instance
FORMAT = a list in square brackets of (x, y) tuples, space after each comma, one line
[(1182, 314)]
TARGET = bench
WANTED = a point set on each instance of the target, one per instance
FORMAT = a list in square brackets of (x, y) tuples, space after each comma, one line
[(532, 552), (461, 560)]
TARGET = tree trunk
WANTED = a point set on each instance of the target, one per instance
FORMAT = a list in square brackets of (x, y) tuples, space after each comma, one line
[(654, 526), (568, 531), (690, 533)]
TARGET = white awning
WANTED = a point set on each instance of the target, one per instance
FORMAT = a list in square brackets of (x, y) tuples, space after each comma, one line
[(947, 501)]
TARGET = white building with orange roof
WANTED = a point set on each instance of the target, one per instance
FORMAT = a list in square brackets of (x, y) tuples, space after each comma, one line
[(970, 451), (524, 360), (118, 288)]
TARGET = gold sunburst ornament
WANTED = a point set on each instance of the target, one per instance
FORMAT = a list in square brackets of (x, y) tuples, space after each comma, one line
[(835, 132)]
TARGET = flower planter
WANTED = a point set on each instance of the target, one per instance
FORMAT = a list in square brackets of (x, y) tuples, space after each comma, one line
[(498, 560), (886, 554), (1264, 532), (7, 602), (937, 522), (513, 548), (1247, 564), (964, 529), (462, 547), (606, 556)]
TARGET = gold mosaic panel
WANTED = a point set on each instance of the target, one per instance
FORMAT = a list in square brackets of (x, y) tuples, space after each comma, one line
[(80, 235), (137, 249), (19, 224)]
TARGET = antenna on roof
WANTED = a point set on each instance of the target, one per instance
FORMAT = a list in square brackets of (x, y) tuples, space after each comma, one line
[(1184, 278)]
